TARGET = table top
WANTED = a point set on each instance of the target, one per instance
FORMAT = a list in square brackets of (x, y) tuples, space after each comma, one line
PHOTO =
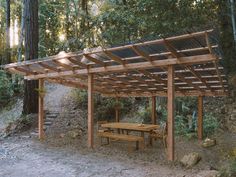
[(130, 126)]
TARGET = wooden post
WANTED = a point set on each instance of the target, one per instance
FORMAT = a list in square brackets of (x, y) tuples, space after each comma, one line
[(90, 111), (200, 118), (154, 113), (117, 111), (170, 114), (41, 110)]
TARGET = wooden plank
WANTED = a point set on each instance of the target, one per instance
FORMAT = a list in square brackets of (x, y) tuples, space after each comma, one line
[(163, 94), (219, 76), (90, 111), (41, 111), (141, 53), (106, 62), (170, 114), (142, 65), (120, 136), (198, 76), (44, 65), (77, 62), (154, 113), (63, 65), (215, 63), (95, 60), (115, 57), (170, 48), (200, 118), (158, 41), (26, 71), (130, 126), (151, 76)]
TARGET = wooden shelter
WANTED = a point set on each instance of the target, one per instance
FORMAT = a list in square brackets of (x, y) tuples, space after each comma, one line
[(184, 65)]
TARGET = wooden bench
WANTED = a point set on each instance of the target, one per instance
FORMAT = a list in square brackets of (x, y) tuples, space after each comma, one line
[(123, 137)]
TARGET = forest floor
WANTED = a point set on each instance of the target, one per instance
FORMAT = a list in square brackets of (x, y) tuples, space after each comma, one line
[(23, 155), (63, 155)]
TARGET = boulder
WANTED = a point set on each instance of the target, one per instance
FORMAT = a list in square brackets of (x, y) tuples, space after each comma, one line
[(208, 173), (74, 133), (208, 143), (190, 159)]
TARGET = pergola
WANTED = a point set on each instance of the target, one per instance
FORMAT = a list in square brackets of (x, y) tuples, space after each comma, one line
[(184, 65)]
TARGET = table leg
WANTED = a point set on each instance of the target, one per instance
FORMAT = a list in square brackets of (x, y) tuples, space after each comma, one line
[(142, 134)]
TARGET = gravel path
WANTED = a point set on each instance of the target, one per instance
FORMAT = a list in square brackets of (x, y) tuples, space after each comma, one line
[(28, 157)]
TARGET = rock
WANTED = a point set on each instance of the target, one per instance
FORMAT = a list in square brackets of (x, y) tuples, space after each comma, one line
[(74, 133), (223, 110), (208, 173), (208, 143), (190, 159), (62, 135)]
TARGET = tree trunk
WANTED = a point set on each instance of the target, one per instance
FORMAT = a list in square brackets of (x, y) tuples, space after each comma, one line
[(8, 23), (31, 52)]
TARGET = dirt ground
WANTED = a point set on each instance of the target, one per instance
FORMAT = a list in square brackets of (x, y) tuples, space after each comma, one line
[(26, 156)]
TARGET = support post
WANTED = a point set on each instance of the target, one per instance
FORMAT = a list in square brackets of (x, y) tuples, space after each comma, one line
[(154, 113), (170, 114), (117, 111), (90, 111), (41, 110), (200, 118)]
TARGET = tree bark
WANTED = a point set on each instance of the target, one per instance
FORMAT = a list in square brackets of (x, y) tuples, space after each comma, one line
[(31, 52), (8, 24)]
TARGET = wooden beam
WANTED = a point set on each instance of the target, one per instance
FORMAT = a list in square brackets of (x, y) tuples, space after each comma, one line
[(95, 60), (151, 76), (170, 114), (77, 62), (63, 65), (141, 53), (162, 93), (141, 65), (182, 78), (170, 48), (219, 76), (41, 110), (215, 63), (90, 112), (200, 118), (26, 71), (48, 67), (154, 113), (198, 76), (115, 57), (75, 56)]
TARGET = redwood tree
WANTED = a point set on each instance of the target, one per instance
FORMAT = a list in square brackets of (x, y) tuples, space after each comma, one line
[(8, 23), (31, 52)]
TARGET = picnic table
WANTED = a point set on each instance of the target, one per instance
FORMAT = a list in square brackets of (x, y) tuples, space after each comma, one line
[(131, 127)]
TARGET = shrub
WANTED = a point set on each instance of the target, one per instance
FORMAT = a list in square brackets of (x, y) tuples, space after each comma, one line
[(6, 88), (104, 106), (210, 124), (145, 115)]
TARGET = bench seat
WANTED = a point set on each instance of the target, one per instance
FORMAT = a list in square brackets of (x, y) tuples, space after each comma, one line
[(131, 138)]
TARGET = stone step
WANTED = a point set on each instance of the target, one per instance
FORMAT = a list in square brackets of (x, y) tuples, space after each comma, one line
[(44, 128), (49, 119), (34, 133), (47, 123), (52, 116)]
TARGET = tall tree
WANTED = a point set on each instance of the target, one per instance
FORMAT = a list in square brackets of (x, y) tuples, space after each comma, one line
[(31, 52), (8, 24)]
